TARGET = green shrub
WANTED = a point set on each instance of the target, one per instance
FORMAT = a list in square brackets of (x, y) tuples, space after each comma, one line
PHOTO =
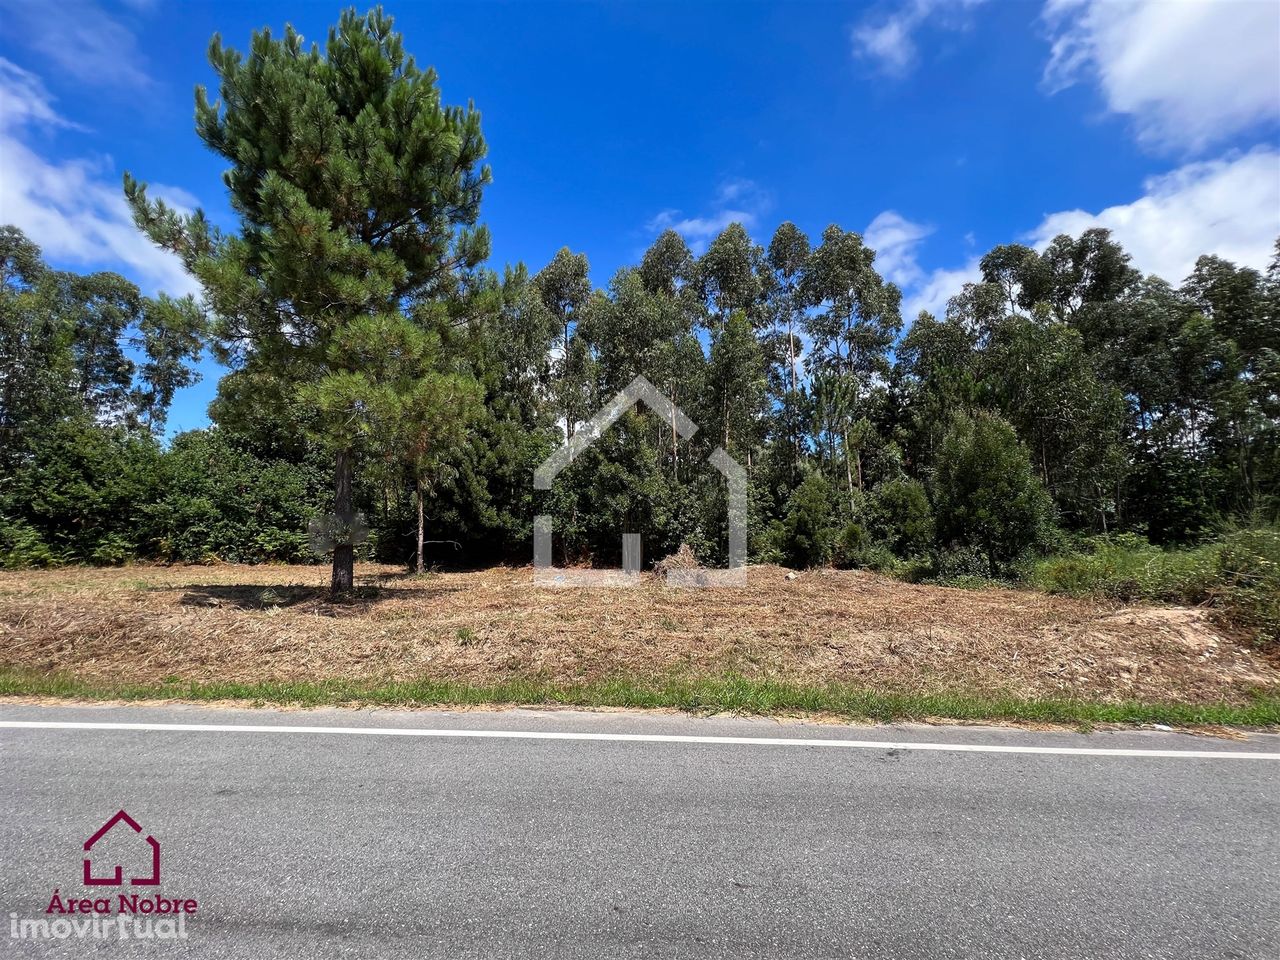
[(901, 516), (1126, 567), (1249, 566), (808, 527), (967, 567), (878, 557), (849, 545), (113, 549), (221, 502), (987, 495), (22, 547), (88, 493), (1238, 574), (79, 495)]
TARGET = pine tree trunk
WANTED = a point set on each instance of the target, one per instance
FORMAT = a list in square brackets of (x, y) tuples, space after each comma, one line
[(343, 578), (421, 526)]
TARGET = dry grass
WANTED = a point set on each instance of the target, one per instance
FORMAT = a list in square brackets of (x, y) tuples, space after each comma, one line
[(256, 624)]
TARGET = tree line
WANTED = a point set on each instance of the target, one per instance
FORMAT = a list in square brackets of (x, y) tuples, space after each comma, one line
[(383, 377)]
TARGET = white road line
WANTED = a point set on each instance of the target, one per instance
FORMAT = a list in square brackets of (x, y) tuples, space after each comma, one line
[(637, 738)]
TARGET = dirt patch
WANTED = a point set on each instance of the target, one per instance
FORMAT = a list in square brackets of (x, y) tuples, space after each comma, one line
[(276, 623)]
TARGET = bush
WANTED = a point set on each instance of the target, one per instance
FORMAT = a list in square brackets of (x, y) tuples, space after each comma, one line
[(21, 547), (850, 545), (1249, 566), (966, 567), (987, 496), (87, 493), (1126, 567), (221, 502), (878, 557), (901, 516), (79, 495), (1238, 574), (808, 529)]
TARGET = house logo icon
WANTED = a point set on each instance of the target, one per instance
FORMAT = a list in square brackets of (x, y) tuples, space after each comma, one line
[(116, 878), (640, 390)]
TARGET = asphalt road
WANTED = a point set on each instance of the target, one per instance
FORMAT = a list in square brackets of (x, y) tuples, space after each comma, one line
[(338, 844)]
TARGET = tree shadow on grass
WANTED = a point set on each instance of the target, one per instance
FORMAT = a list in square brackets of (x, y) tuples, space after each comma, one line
[(267, 597)]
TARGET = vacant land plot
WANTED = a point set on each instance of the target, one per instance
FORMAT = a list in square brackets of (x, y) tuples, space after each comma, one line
[(275, 624)]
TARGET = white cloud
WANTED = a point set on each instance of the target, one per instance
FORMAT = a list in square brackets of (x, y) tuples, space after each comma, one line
[(1229, 207), (80, 39), (896, 240), (737, 200), (23, 100), (933, 292), (735, 189), (74, 209), (1189, 73), (700, 228), (889, 39), (888, 42)]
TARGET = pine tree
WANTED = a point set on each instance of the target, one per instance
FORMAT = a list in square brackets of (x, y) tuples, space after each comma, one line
[(357, 192)]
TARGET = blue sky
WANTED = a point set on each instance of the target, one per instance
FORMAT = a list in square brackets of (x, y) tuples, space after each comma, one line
[(938, 128)]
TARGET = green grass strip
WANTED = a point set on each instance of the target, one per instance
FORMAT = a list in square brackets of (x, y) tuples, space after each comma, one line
[(725, 694)]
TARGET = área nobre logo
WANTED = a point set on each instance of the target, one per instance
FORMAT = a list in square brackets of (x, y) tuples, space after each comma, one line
[(122, 915), (115, 879)]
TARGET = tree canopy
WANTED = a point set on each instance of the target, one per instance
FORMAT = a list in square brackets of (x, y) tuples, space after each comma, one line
[(358, 194), (383, 375)]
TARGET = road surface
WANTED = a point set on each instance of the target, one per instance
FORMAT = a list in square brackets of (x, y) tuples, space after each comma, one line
[(509, 834)]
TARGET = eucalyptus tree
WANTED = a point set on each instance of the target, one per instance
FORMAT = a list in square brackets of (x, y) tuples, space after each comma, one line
[(35, 359), (433, 422), (855, 316), (357, 193), (1017, 271), (731, 283), (667, 266), (668, 271), (564, 286), (738, 387), (840, 420), (852, 324), (729, 276), (1079, 277), (1043, 380), (787, 257), (1238, 372)]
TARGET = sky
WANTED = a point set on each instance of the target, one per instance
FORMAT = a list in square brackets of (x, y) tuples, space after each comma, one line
[(937, 129)]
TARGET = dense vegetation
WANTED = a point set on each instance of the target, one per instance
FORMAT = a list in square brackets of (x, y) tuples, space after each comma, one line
[(1065, 406)]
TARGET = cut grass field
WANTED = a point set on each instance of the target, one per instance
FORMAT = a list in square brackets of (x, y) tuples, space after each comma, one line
[(847, 643)]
